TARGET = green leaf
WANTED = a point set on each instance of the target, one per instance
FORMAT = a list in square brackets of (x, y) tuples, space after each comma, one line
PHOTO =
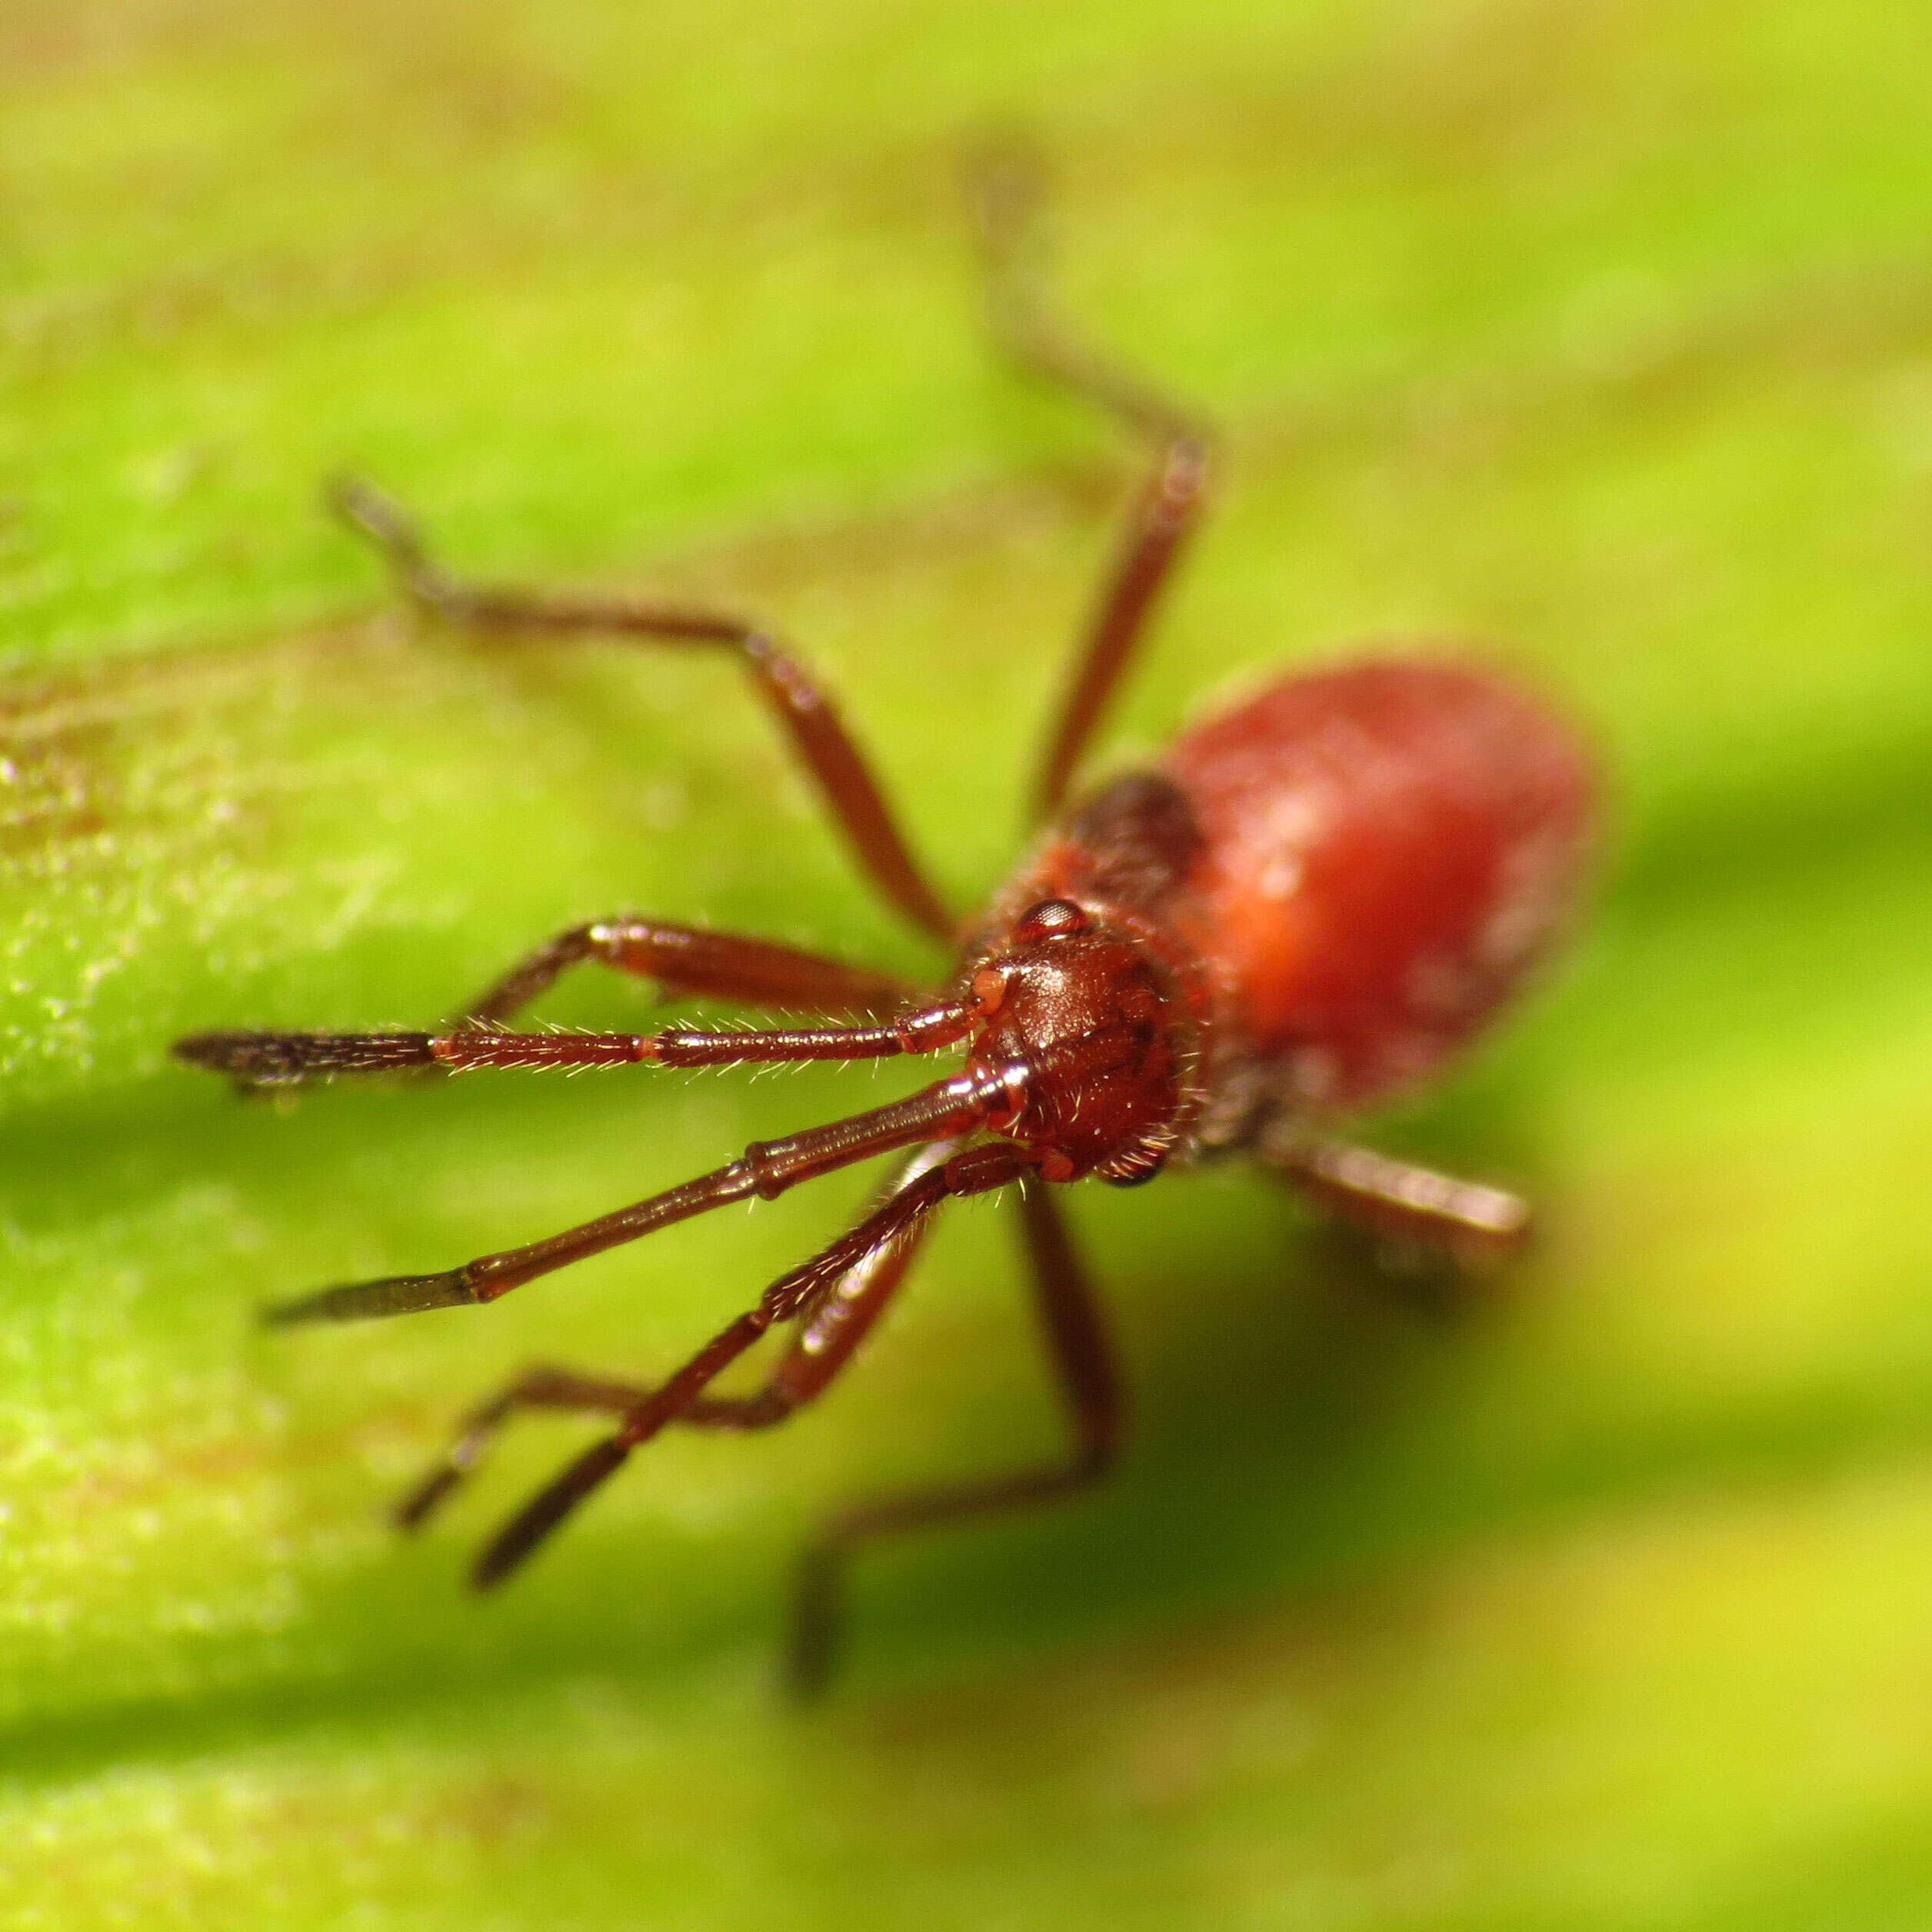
[(1603, 332)]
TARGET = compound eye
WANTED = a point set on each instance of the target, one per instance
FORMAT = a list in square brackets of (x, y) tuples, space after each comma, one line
[(1050, 919)]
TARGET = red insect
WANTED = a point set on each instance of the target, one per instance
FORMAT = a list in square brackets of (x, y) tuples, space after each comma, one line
[(1307, 906)]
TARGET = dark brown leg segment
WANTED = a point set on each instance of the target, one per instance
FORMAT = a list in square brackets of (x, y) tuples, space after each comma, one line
[(806, 712), (1395, 1198), (830, 1328), (976, 1170), (1006, 184), (688, 959), (1082, 1359)]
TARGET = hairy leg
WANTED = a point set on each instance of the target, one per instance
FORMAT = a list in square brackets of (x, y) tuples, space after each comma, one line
[(766, 1169)]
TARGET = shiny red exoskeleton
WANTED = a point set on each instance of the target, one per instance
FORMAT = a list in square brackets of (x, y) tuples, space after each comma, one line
[(1315, 898)]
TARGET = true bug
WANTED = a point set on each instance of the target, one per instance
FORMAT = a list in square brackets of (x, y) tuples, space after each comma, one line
[(1313, 899)]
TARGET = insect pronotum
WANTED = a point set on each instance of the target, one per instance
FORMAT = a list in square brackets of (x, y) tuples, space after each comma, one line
[(1311, 900)]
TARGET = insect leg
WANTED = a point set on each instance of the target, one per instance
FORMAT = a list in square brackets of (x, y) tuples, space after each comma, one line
[(833, 1323), (1167, 505), (690, 959), (286, 1059), (767, 1169), (976, 1170), (1391, 1197), (800, 705), (830, 1328), (1083, 1360), (1006, 185), (543, 1387)]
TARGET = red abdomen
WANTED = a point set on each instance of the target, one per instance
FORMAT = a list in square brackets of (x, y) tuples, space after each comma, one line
[(1388, 846)]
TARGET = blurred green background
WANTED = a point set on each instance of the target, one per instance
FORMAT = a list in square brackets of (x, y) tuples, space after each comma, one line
[(1601, 329)]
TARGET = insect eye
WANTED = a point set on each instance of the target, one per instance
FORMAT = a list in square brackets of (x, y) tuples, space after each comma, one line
[(1050, 919)]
